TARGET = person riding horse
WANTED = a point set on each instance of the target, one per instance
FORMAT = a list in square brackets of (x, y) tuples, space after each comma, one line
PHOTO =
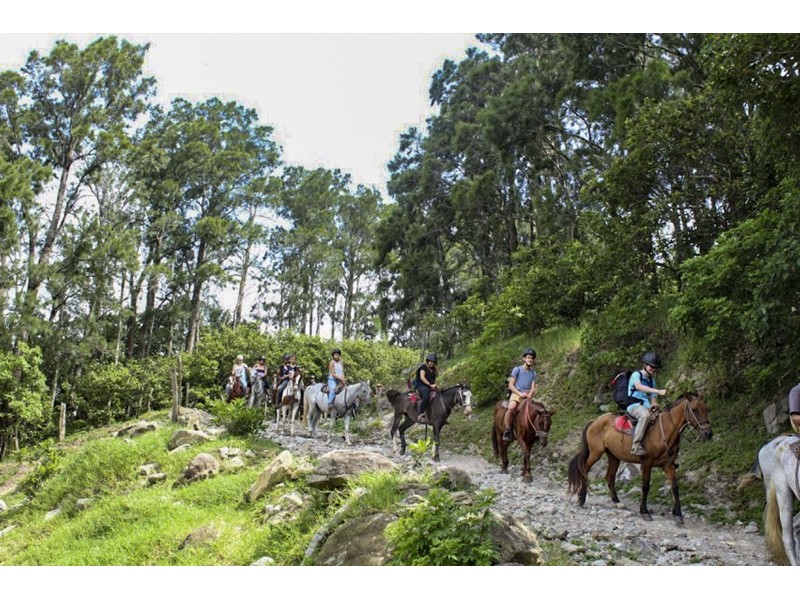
[(642, 391), (426, 383), (335, 374), (240, 371), (522, 384), (286, 372), (261, 367)]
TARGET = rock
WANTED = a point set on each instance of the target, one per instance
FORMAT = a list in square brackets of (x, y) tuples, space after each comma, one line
[(201, 535), (515, 542), (156, 478), (149, 469), (194, 418), (202, 466), (52, 514), (8, 529), (186, 436), (452, 478), (226, 452), (274, 473), (3, 506), (359, 542), (264, 561), (137, 429), (82, 504), (338, 467), (180, 448), (234, 463), (287, 508), (776, 416)]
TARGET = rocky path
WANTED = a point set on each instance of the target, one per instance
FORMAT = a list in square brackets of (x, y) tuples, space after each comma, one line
[(597, 534)]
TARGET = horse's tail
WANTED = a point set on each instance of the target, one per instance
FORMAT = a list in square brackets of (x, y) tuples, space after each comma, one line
[(755, 474), (576, 475), (773, 532), (495, 446)]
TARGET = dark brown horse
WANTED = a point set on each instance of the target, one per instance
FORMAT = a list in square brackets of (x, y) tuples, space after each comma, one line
[(405, 413), (661, 442), (531, 424), (235, 389)]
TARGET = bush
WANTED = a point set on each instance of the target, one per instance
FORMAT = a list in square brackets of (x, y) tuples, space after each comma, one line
[(236, 417), (438, 531)]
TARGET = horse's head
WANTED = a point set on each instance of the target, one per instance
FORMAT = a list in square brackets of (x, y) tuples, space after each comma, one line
[(696, 414), (464, 398), (542, 421)]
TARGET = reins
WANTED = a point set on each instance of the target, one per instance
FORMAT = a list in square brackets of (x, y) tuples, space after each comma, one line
[(687, 410)]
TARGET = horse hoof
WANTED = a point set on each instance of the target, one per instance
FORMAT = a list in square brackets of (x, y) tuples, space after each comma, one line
[(647, 516), (504, 471), (678, 519), (527, 478)]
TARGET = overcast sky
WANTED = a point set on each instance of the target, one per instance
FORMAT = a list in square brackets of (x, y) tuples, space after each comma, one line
[(334, 100)]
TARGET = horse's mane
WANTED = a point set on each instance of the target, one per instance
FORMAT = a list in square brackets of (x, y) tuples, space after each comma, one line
[(452, 387), (688, 396)]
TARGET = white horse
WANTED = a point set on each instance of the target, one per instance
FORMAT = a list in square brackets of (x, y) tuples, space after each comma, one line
[(258, 392), (345, 404), (780, 471), (291, 400)]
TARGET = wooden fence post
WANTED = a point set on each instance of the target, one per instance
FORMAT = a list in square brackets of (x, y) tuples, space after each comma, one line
[(62, 422), (176, 394)]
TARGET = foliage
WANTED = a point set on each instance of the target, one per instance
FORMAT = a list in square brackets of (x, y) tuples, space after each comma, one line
[(46, 458), (236, 417), (419, 449), (439, 531), (23, 399)]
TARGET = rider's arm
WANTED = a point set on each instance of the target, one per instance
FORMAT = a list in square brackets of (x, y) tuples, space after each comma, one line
[(331, 372)]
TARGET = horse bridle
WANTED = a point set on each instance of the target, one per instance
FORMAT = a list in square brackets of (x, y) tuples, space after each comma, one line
[(541, 414), (687, 410)]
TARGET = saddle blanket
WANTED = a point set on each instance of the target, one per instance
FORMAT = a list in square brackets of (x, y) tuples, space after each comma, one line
[(413, 397), (623, 424)]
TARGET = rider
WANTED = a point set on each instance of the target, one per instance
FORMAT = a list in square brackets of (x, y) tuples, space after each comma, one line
[(261, 367), (286, 372), (794, 408), (426, 381), (335, 374), (642, 388), (240, 370), (522, 383)]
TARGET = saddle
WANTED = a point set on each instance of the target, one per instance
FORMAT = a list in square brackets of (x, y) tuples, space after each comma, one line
[(414, 397), (623, 424), (794, 447), (339, 388)]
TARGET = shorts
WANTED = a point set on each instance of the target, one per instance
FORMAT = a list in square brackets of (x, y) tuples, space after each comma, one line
[(514, 398)]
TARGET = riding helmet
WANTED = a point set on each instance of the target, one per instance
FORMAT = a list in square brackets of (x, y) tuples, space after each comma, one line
[(530, 351), (285, 357), (336, 351), (652, 359), (431, 357), (262, 358)]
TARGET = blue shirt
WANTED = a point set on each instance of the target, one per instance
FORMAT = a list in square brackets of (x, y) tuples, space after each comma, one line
[(523, 379), (638, 394)]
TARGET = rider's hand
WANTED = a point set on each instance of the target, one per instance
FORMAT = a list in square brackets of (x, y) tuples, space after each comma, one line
[(662, 392)]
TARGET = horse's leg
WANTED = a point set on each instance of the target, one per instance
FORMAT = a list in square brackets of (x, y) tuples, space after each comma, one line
[(503, 447), (295, 406), (525, 473), (647, 470), (436, 430), (407, 422), (347, 429), (672, 477), (398, 416), (611, 476)]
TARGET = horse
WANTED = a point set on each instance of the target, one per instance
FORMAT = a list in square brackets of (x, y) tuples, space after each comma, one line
[(291, 400), (345, 404), (258, 393), (437, 413), (531, 424), (235, 389), (661, 443), (779, 468)]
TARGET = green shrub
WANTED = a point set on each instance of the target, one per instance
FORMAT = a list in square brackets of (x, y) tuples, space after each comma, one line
[(236, 417), (439, 531)]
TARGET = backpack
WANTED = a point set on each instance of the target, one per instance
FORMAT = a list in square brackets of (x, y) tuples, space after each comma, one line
[(621, 392), (412, 382)]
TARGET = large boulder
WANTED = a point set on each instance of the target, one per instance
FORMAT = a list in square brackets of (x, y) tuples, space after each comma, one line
[(358, 542), (194, 418), (275, 472), (202, 466), (776, 416), (200, 536), (515, 542), (187, 436), (338, 467)]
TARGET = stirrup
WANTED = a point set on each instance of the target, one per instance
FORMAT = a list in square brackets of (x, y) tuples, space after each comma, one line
[(508, 435)]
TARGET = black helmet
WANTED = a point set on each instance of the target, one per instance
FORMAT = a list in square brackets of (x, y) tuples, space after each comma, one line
[(530, 351), (336, 351), (652, 359), (262, 358), (431, 357), (285, 357)]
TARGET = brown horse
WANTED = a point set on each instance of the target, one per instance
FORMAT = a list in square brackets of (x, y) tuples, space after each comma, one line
[(661, 443), (531, 424), (235, 389)]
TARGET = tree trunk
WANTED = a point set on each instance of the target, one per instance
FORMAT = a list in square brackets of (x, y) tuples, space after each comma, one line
[(197, 288)]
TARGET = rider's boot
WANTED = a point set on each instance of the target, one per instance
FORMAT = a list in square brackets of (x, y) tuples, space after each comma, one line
[(508, 435)]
